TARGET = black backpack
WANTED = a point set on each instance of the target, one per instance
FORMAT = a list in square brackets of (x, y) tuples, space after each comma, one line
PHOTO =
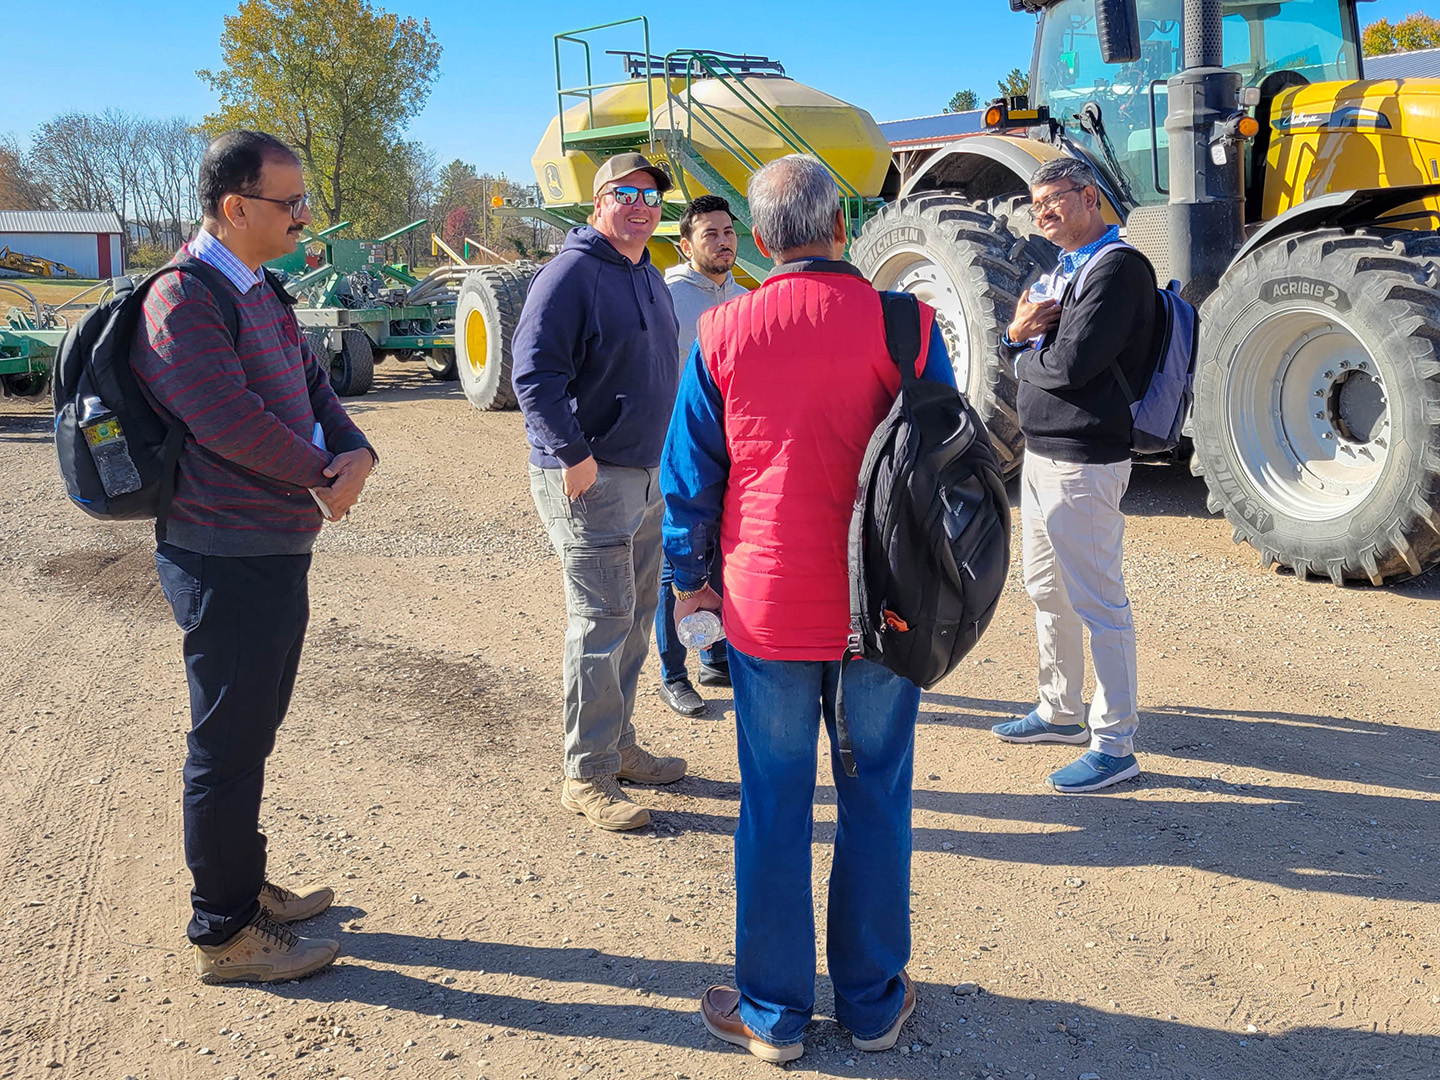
[(94, 360), (930, 534)]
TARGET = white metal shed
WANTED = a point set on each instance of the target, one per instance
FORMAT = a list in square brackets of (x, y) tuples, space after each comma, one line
[(89, 241)]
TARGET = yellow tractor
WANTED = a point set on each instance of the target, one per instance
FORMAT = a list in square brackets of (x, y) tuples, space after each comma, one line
[(1243, 152), (1239, 148)]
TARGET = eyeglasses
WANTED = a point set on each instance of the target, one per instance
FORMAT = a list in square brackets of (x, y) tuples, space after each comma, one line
[(297, 207), (629, 196), (1051, 201)]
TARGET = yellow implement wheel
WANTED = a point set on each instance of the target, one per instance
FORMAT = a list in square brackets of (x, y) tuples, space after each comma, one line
[(486, 312)]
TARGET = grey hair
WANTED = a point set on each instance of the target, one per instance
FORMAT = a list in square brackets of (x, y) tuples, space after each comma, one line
[(1055, 170), (793, 203)]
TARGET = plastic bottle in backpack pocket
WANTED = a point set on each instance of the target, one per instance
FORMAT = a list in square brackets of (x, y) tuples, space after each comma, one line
[(108, 448), (700, 630)]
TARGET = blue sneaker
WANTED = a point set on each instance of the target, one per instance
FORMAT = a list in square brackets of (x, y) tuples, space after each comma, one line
[(1092, 772), (1033, 729)]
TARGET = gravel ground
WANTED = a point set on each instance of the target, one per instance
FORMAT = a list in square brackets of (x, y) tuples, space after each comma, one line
[(1261, 903)]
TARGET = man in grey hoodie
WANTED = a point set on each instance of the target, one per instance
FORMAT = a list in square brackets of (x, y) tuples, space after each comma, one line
[(703, 281), (595, 374)]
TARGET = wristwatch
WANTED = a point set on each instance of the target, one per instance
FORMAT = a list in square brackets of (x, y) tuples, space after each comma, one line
[(686, 594)]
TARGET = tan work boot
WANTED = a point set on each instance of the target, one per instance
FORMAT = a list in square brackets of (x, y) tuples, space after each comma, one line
[(285, 906), (639, 766), (602, 802), (264, 952)]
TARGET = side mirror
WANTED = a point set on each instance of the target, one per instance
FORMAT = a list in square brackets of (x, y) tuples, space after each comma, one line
[(1118, 28)]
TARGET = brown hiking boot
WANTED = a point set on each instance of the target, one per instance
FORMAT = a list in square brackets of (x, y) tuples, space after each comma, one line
[(285, 906), (264, 952), (602, 802), (639, 766), (720, 1010)]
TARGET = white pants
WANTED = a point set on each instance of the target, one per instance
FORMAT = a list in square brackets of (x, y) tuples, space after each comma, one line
[(1073, 539)]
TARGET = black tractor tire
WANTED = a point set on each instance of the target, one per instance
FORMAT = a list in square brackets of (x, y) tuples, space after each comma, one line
[(486, 313), (27, 385), (971, 264), (352, 369), (1317, 403), (1117, 31), (441, 365)]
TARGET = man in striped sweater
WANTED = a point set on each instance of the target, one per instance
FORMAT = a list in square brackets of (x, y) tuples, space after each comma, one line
[(268, 450)]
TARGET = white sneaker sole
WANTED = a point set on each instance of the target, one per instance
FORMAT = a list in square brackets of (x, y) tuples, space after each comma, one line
[(1082, 739), (776, 1055), (891, 1037), (1109, 781)]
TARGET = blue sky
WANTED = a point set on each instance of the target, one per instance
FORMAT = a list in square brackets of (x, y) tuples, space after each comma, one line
[(496, 90)]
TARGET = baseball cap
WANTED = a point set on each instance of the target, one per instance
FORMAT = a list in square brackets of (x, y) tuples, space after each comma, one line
[(624, 164)]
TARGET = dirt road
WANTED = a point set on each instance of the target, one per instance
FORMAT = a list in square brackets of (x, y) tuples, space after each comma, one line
[(1262, 904)]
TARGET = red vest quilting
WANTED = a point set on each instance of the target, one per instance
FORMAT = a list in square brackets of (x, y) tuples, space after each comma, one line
[(805, 375)]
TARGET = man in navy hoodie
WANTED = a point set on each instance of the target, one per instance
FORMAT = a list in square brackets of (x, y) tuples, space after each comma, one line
[(595, 375)]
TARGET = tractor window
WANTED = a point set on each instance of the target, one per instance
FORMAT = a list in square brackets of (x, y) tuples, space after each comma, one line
[(1069, 74), (1312, 37)]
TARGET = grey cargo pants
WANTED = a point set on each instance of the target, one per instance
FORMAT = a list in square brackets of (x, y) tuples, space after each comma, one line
[(609, 545)]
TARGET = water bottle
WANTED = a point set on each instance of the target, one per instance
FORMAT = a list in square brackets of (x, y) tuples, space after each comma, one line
[(700, 630), (108, 448)]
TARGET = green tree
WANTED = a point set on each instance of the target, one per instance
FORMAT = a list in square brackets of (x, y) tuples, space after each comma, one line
[(1415, 31), (1014, 84), (963, 101), (336, 79)]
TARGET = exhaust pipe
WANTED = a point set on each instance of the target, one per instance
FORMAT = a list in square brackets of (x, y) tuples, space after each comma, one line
[(1207, 209)]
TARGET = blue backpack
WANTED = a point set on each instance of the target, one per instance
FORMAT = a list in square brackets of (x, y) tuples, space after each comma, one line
[(1159, 411)]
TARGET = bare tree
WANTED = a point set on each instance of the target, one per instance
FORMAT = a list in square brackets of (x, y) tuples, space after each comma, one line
[(20, 187)]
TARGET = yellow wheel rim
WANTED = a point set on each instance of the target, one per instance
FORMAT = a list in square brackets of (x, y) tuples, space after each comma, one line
[(477, 341)]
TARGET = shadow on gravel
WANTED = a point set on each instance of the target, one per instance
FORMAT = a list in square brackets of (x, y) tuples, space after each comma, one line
[(1351, 843), (27, 429), (975, 1035), (400, 382), (1302, 744)]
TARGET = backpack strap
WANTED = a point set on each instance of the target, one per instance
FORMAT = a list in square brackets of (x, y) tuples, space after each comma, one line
[(219, 287), (902, 331), (1078, 281), (902, 338)]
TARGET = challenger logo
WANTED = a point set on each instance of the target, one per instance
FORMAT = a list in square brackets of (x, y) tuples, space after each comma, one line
[(1281, 290), (1351, 117)]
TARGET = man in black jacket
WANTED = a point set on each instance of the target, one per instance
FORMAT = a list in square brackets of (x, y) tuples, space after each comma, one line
[(1069, 334)]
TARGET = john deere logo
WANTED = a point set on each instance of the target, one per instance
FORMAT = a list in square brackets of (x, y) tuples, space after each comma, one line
[(553, 187)]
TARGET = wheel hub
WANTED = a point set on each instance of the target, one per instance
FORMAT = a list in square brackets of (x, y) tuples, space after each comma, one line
[(1309, 414), (912, 271), (476, 341)]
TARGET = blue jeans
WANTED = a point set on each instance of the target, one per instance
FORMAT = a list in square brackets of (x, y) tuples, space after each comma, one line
[(244, 620), (778, 706), (667, 641)]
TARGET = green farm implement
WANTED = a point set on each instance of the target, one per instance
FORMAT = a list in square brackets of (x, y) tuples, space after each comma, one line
[(30, 333), (353, 305)]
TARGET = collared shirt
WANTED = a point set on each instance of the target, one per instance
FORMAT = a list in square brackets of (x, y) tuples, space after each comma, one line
[(1072, 261), (209, 248), (1052, 285)]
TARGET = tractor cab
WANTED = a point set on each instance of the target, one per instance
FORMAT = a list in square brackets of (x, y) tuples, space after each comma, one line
[(1116, 112)]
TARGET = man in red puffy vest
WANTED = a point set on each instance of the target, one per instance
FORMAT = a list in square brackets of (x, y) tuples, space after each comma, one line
[(777, 402)]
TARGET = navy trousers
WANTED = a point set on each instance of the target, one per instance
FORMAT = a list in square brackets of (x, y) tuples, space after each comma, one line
[(244, 621)]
